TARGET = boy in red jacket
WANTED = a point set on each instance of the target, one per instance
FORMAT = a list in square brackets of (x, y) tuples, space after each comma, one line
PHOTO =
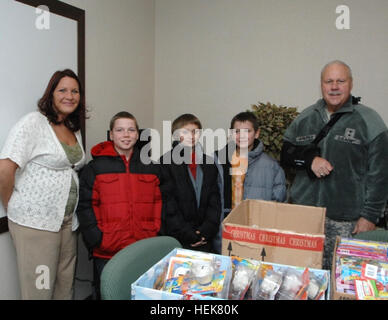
[(120, 198)]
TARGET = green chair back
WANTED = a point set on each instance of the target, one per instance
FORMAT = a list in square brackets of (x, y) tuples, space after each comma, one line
[(375, 235), (127, 265)]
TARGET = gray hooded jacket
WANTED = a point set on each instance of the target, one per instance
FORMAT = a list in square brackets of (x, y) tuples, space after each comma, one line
[(264, 180)]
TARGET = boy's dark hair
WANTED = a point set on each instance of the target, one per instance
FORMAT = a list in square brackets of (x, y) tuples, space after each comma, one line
[(185, 119), (121, 115), (246, 116)]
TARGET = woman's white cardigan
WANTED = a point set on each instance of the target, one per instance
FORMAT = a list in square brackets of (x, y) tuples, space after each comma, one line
[(43, 179)]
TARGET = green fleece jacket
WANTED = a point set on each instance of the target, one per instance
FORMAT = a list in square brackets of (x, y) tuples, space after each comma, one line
[(357, 148)]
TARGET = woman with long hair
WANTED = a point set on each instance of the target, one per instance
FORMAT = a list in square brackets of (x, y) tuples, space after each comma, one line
[(39, 188)]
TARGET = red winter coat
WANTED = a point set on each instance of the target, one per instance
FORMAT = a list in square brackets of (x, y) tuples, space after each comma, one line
[(120, 201)]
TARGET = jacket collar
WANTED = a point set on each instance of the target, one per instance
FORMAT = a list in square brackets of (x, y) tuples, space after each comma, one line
[(256, 151), (107, 149), (347, 107)]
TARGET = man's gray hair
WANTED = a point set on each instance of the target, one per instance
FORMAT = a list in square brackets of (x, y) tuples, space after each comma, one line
[(337, 62)]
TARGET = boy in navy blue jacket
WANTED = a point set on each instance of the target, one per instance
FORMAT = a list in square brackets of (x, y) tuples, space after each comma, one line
[(196, 219)]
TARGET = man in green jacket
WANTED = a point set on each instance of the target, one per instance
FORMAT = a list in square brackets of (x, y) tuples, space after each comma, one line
[(347, 170)]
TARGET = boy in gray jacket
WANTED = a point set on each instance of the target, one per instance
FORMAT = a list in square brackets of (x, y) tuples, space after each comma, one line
[(248, 172)]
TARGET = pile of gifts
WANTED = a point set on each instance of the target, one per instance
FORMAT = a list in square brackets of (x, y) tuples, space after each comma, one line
[(193, 272), (254, 280), (190, 273), (362, 268)]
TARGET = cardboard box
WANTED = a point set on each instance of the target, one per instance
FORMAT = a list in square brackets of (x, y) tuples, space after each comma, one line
[(371, 253), (335, 295), (142, 288), (275, 232)]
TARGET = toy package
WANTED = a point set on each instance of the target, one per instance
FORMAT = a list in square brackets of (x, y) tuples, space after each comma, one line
[(198, 255), (197, 273), (244, 271), (287, 283), (179, 267), (317, 286), (267, 284), (367, 249), (294, 285), (366, 289)]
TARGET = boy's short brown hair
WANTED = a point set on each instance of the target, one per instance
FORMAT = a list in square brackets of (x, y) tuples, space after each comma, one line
[(121, 115), (246, 116), (183, 120)]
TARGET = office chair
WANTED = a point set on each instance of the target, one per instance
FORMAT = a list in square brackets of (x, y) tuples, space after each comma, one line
[(127, 265)]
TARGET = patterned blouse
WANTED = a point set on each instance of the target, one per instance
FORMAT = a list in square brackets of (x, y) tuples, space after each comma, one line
[(43, 179)]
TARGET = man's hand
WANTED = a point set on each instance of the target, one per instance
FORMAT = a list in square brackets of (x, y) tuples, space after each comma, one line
[(363, 225), (321, 167)]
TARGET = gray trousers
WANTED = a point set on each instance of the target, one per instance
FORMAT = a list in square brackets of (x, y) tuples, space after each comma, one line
[(332, 230)]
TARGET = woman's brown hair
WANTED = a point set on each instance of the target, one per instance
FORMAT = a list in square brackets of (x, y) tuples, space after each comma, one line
[(45, 103)]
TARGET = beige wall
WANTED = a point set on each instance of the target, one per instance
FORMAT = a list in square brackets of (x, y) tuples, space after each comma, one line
[(161, 58), (216, 58), (119, 62)]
